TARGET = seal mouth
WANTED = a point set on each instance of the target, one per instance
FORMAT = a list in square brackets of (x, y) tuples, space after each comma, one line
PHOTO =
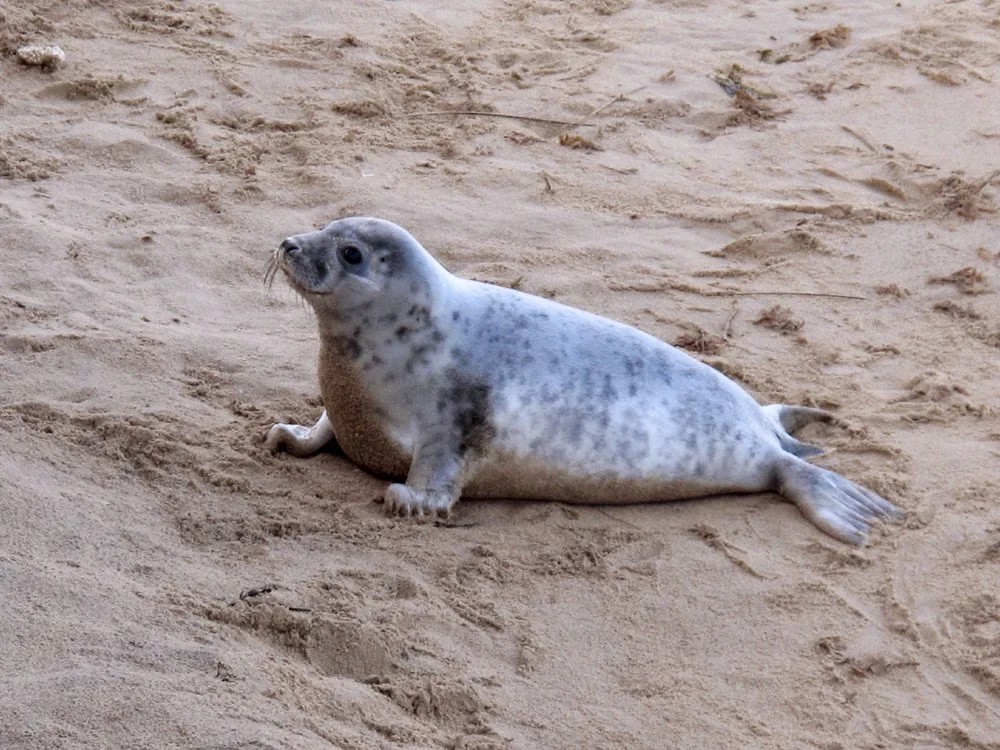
[(279, 262)]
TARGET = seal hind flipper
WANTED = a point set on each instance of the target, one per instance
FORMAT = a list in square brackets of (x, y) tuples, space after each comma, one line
[(788, 419), (798, 447), (834, 504), (792, 418)]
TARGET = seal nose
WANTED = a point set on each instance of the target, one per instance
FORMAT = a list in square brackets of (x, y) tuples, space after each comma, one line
[(289, 246)]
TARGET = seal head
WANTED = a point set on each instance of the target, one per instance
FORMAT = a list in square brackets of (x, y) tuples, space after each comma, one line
[(350, 263)]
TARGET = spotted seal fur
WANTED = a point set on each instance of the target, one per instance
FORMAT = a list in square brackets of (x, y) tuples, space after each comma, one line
[(467, 389)]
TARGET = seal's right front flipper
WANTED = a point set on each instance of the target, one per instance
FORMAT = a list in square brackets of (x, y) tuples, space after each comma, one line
[(836, 505), (434, 483), (299, 440)]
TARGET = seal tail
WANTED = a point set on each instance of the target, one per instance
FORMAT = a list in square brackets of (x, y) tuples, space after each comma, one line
[(788, 419), (833, 503)]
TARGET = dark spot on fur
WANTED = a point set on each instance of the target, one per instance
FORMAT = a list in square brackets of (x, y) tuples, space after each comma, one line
[(574, 429), (624, 453), (417, 356), (548, 396), (633, 366), (609, 393), (469, 399), (456, 316), (390, 262), (632, 389), (347, 346)]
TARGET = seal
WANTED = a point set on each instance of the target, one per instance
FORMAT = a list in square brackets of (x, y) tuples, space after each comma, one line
[(468, 389)]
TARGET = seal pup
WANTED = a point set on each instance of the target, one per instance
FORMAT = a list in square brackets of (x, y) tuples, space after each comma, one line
[(470, 389)]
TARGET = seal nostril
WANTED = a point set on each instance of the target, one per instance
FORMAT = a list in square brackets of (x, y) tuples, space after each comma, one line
[(289, 246)]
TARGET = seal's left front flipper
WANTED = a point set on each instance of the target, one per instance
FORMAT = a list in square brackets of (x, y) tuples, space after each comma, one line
[(299, 440)]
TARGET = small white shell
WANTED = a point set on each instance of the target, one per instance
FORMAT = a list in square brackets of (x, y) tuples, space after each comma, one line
[(43, 55)]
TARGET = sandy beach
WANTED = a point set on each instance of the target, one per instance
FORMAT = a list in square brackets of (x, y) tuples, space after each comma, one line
[(804, 195)]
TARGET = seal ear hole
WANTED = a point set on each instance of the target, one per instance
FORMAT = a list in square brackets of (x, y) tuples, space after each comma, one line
[(352, 255)]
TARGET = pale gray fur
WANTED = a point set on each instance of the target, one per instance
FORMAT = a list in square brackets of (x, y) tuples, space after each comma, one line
[(487, 391)]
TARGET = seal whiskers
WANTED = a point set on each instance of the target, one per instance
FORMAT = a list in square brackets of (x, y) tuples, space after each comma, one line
[(271, 272)]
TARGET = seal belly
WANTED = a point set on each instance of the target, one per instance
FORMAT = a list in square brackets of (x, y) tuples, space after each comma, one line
[(521, 478)]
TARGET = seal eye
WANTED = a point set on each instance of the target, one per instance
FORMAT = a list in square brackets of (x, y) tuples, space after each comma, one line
[(351, 255)]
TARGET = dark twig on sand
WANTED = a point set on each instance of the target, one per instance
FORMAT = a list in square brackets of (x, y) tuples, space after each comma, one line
[(860, 137), (474, 113), (794, 294), (619, 98), (728, 328)]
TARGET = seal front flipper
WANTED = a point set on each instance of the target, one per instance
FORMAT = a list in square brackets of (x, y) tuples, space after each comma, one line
[(299, 440), (434, 483), (836, 505)]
